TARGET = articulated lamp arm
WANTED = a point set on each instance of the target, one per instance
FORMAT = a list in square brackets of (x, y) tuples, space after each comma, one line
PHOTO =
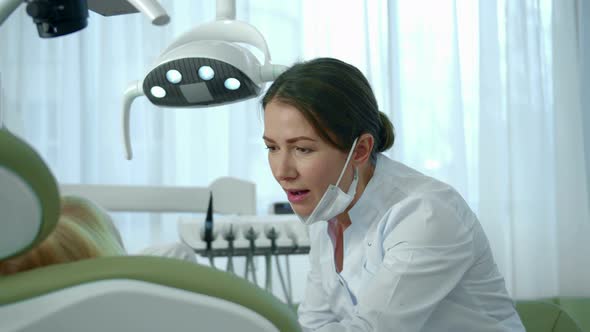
[(7, 7), (150, 8)]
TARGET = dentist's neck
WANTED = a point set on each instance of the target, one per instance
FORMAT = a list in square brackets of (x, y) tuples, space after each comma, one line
[(365, 173)]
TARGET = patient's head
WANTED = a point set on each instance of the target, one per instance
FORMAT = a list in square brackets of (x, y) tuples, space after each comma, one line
[(84, 230)]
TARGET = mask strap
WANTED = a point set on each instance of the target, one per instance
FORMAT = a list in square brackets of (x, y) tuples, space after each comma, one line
[(347, 160)]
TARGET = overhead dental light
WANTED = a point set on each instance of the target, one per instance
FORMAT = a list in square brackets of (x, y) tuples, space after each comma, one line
[(206, 66)]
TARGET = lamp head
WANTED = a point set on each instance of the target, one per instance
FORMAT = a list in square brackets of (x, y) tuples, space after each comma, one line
[(203, 73), (207, 66)]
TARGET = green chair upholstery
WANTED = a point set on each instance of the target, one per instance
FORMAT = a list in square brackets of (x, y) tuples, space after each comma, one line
[(578, 308), (137, 293), (125, 293), (543, 316)]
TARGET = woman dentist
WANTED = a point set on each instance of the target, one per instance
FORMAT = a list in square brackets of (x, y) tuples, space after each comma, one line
[(391, 248)]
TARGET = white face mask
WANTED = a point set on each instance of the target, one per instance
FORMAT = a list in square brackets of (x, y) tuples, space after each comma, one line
[(334, 201)]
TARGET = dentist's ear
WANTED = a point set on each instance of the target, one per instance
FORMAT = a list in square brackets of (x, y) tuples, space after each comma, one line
[(363, 149)]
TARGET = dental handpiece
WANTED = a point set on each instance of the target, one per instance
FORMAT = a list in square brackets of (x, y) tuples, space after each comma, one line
[(208, 229)]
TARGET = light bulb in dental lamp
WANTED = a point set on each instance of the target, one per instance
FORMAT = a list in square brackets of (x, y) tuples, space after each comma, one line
[(207, 66)]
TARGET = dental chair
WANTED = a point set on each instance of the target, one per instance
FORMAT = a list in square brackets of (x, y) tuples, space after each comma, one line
[(127, 293), (543, 316)]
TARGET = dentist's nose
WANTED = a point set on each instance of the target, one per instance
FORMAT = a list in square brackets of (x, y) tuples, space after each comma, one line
[(285, 169)]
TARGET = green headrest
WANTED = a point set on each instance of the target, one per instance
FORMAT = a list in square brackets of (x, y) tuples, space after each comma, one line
[(29, 196), (157, 270)]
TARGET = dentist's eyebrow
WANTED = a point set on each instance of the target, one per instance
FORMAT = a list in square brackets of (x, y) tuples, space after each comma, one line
[(268, 139), (291, 140)]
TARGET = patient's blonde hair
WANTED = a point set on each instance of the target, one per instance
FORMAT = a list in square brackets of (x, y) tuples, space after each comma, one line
[(84, 230)]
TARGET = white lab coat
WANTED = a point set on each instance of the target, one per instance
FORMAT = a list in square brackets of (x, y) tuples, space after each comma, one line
[(415, 259)]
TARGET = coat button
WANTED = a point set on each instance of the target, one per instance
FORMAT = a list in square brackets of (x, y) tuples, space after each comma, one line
[(369, 244)]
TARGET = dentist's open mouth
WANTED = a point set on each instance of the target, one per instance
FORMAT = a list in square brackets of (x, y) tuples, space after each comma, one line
[(296, 196)]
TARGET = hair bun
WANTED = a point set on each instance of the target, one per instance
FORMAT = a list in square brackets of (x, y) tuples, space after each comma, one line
[(386, 133)]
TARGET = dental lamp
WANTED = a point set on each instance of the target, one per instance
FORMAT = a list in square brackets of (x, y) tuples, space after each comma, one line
[(56, 18), (206, 66)]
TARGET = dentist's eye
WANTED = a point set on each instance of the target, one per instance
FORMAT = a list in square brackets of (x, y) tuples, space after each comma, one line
[(303, 150), (271, 148)]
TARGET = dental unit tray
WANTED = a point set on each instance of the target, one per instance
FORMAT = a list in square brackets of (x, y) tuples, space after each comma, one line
[(247, 235)]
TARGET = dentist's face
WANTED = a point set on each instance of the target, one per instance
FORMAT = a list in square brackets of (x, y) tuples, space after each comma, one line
[(300, 160)]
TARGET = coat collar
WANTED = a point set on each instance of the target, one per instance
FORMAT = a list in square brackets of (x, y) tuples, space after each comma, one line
[(372, 203)]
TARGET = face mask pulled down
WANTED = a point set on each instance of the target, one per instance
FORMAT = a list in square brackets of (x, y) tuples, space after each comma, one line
[(334, 201)]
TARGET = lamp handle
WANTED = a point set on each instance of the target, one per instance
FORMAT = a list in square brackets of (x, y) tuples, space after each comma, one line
[(133, 91), (226, 30)]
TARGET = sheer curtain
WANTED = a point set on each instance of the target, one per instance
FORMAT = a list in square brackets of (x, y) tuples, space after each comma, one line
[(484, 95)]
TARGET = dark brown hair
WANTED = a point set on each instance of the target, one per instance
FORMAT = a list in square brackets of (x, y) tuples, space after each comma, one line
[(337, 100)]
